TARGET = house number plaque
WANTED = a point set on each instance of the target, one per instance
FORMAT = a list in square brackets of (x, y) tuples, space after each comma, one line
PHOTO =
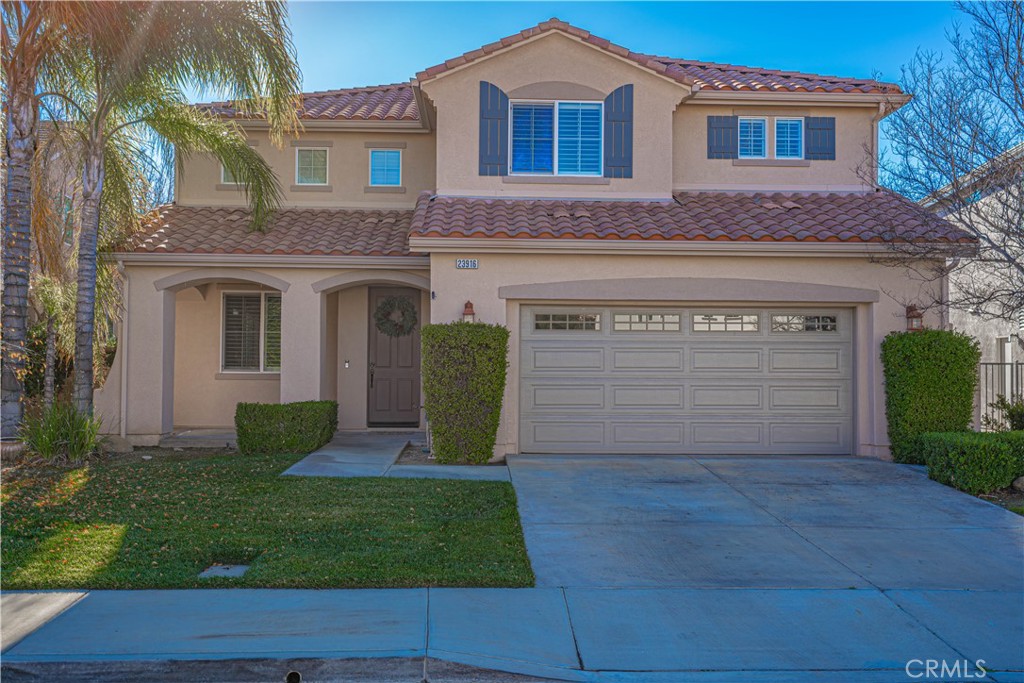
[(466, 264)]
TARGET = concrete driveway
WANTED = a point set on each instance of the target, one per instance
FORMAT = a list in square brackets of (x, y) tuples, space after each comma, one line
[(785, 563)]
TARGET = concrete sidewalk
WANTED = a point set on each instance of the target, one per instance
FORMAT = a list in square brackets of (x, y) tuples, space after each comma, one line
[(584, 634)]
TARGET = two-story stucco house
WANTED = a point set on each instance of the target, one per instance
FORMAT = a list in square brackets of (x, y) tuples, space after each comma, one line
[(686, 255)]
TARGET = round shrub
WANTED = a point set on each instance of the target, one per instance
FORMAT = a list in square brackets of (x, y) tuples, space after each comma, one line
[(464, 368), (930, 378)]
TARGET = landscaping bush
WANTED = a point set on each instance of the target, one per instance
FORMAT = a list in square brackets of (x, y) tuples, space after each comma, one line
[(60, 433), (285, 427), (973, 462), (1008, 414), (464, 367), (930, 377)]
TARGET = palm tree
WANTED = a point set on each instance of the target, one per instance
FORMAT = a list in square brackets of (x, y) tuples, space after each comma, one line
[(122, 78), (30, 33)]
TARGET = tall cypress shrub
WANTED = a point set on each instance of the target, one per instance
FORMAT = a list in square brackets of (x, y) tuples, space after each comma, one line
[(930, 379), (464, 368)]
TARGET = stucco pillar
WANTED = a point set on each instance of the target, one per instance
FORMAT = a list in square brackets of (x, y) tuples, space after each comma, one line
[(149, 401), (303, 344)]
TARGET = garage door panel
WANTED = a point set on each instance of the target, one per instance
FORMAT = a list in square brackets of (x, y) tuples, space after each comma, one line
[(728, 434), (567, 358), (647, 359), (804, 360), (817, 398), (632, 396), (787, 390), (725, 360), (563, 396), (646, 434), (728, 397)]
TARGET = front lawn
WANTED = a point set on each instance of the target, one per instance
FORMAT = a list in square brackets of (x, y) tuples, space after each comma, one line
[(135, 523)]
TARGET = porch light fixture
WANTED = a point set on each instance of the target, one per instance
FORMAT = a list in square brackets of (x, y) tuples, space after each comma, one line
[(468, 314), (915, 319)]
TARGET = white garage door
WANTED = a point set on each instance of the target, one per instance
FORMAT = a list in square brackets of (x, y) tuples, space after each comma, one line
[(685, 380)]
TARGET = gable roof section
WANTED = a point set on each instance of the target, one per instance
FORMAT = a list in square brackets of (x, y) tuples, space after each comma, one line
[(225, 230), (699, 75), (692, 216), (396, 102)]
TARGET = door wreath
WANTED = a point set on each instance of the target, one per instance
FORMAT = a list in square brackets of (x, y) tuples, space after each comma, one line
[(387, 323)]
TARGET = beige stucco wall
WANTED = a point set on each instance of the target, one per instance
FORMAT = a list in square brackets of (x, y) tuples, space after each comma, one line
[(553, 57), (692, 170), (873, 320), (170, 345), (348, 171)]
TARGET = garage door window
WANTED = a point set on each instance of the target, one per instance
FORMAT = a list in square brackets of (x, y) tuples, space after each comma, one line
[(647, 322), (722, 322), (804, 323), (567, 321)]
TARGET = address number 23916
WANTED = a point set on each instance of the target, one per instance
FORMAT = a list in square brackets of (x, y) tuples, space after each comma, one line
[(466, 264)]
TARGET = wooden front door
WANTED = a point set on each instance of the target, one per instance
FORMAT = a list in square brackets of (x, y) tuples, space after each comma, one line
[(394, 366)]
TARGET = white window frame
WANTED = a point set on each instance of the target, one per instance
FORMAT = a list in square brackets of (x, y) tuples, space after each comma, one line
[(554, 151), (369, 166), (327, 165), (263, 294), (775, 135), (223, 178), (739, 123)]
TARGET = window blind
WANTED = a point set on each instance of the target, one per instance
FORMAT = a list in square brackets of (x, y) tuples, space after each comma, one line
[(385, 167), (242, 332), (579, 138), (533, 138)]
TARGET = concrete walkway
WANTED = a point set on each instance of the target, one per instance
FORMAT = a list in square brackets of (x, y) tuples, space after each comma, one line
[(374, 454), (654, 569)]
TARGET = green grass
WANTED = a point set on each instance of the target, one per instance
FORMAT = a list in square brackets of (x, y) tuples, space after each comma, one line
[(133, 523), (1018, 510)]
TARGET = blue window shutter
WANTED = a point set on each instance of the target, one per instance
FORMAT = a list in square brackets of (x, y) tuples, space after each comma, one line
[(820, 138), (723, 137), (493, 130), (618, 133)]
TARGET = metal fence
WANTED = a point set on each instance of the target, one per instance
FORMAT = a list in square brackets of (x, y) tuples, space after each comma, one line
[(998, 379)]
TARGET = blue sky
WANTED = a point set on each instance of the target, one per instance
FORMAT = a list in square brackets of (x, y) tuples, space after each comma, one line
[(347, 44)]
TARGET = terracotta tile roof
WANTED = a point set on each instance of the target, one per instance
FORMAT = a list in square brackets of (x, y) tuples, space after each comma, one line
[(225, 230), (704, 75), (698, 216), (711, 76), (395, 102)]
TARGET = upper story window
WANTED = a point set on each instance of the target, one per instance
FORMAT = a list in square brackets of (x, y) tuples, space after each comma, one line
[(752, 138), (789, 138), (557, 138), (385, 167), (310, 166), (226, 176)]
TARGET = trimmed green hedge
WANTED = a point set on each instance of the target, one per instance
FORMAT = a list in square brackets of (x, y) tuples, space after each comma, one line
[(930, 377), (973, 462), (285, 427), (464, 368)]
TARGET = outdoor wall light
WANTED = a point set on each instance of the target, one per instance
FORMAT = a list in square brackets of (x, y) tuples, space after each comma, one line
[(346, 365), (915, 319), (468, 314)]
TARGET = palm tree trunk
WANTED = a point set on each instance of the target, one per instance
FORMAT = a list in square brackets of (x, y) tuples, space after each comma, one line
[(50, 369), (20, 124), (85, 298)]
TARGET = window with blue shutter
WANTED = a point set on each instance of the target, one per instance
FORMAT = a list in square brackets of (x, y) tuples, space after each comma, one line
[(579, 138), (820, 138), (493, 130), (618, 133), (789, 138), (533, 138), (385, 167), (723, 137)]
